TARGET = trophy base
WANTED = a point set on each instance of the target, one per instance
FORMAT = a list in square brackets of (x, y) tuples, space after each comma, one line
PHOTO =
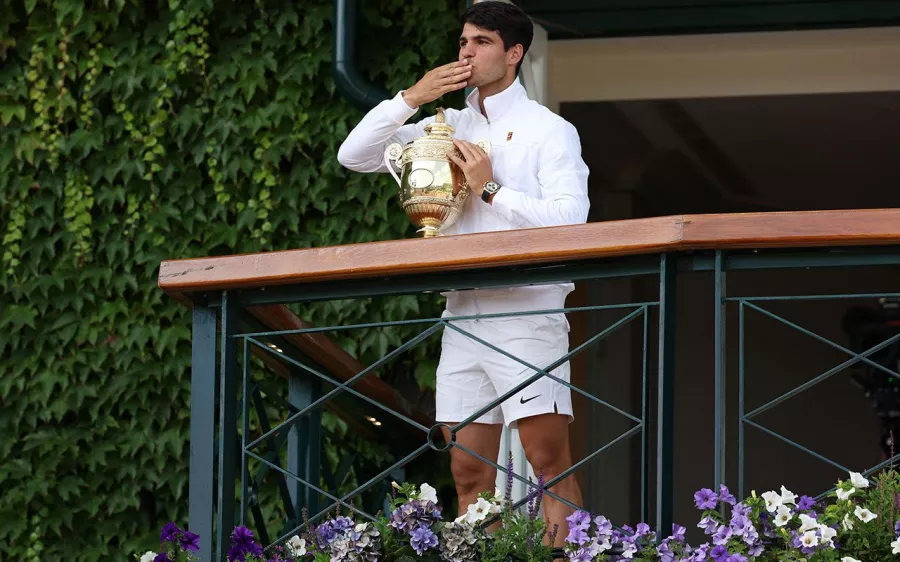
[(430, 228)]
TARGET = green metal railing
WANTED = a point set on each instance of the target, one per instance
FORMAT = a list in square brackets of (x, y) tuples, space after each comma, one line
[(746, 418), (225, 392)]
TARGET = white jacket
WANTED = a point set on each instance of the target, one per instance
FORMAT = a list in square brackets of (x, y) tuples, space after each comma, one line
[(535, 156)]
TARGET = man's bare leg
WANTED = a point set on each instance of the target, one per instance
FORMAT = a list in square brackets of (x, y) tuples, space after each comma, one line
[(546, 441), (471, 475)]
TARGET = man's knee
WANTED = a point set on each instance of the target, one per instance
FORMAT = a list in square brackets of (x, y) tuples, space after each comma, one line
[(547, 460), (471, 475), (546, 442), (547, 456)]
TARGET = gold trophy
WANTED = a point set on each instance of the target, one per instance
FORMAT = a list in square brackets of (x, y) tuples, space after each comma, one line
[(433, 190)]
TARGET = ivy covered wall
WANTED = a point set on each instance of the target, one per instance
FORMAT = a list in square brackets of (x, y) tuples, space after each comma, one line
[(133, 132)]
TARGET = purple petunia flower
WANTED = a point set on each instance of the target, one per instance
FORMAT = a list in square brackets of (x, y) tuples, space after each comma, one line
[(805, 503), (189, 541), (709, 525), (169, 532), (604, 527), (580, 555), (739, 524), (722, 535), (751, 536), (665, 555), (242, 535), (700, 554), (422, 539), (725, 495), (242, 544), (719, 553), (755, 549), (737, 558), (239, 553), (678, 532), (897, 528), (628, 546), (705, 499), (642, 529), (577, 536), (579, 520), (162, 557)]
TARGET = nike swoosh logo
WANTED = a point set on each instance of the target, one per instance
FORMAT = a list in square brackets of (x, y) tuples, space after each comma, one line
[(522, 400)]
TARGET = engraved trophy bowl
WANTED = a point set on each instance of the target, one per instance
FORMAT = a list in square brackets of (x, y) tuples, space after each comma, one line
[(433, 190)]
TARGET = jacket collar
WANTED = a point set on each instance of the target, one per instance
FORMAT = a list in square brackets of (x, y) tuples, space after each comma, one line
[(500, 103)]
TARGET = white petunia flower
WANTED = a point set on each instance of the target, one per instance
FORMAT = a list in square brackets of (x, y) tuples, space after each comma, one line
[(896, 546), (787, 497), (809, 539), (773, 501), (148, 556), (844, 494), (849, 559), (477, 511), (807, 523), (864, 514), (783, 517), (599, 546), (858, 480), (427, 493), (847, 523), (296, 547), (827, 534)]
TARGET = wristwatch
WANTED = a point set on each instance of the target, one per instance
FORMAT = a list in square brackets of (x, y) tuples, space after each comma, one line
[(490, 188)]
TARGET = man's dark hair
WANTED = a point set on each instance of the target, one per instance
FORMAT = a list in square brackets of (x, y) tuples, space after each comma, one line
[(508, 20)]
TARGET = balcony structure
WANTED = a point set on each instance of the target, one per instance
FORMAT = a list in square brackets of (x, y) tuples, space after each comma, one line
[(254, 359)]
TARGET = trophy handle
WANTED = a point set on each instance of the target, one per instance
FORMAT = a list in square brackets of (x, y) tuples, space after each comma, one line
[(391, 154)]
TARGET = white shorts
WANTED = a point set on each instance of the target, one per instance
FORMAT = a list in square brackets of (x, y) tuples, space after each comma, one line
[(470, 375)]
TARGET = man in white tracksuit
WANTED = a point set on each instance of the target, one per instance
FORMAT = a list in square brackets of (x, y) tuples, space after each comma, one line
[(534, 177)]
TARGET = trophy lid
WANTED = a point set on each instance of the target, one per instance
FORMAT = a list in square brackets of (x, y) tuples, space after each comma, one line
[(439, 127)]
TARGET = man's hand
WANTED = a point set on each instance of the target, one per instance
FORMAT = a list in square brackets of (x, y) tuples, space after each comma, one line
[(475, 164), (437, 82)]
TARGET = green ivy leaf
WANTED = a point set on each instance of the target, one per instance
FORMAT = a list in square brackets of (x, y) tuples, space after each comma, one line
[(18, 316), (7, 112)]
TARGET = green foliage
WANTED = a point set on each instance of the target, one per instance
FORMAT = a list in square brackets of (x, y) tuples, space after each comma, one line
[(133, 132), (873, 540), (522, 533)]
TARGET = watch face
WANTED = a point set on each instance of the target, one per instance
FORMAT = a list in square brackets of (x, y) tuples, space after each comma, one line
[(491, 187)]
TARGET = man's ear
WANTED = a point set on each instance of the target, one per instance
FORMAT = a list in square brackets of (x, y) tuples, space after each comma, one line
[(515, 54)]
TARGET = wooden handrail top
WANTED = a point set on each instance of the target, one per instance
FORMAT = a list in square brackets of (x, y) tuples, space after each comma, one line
[(805, 229)]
